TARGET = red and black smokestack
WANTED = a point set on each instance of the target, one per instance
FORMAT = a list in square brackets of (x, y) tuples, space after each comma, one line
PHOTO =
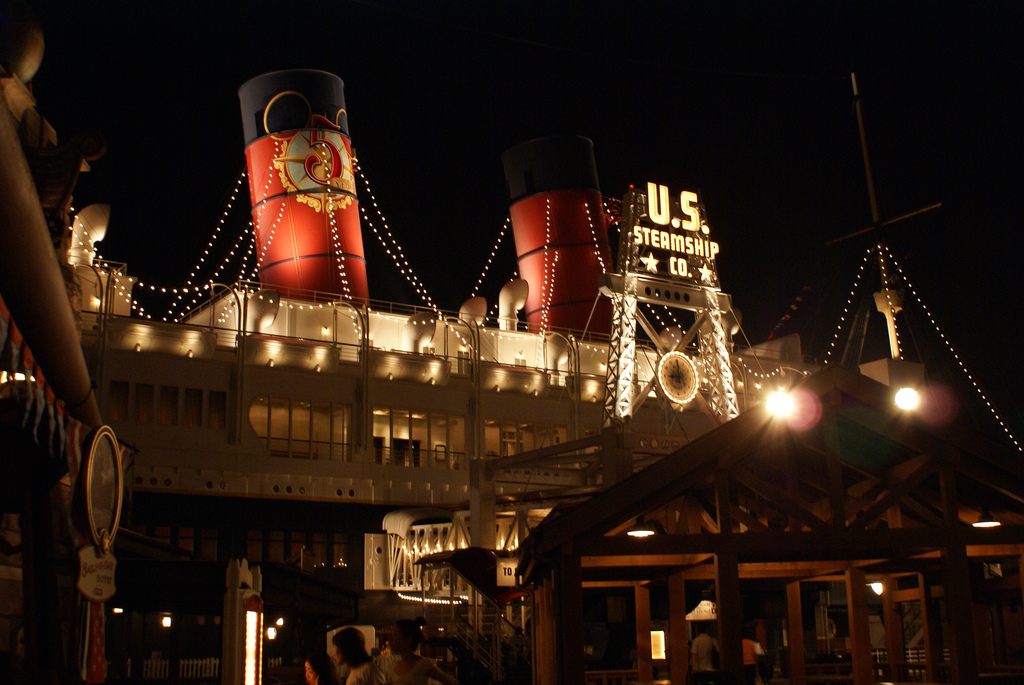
[(302, 183), (560, 231)]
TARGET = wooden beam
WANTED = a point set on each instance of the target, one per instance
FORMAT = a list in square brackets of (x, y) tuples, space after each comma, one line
[(833, 463), (678, 639), (897, 491), (658, 484), (956, 580), (892, 619), (569, 599), (795, 619), (792, 505), (860, 633), (644, 663)]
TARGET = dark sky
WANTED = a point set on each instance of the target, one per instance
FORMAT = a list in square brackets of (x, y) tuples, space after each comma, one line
[(749, 104)]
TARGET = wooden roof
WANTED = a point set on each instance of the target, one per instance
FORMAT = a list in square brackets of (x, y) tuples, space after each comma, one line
[(856, 480)]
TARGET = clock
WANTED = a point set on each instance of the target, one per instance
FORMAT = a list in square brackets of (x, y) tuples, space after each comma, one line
[(677, 377), (102, 486)]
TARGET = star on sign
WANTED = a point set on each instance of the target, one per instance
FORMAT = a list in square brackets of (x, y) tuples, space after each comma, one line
[(650, 262), (705, 273)]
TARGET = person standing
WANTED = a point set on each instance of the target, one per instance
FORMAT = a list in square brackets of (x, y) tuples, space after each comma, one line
[(703, 649), (411, 668), (752, 652), (350, 651)]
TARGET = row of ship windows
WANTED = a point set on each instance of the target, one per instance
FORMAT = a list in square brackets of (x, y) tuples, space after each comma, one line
[(322, 548), (167, 405), (314, 429)]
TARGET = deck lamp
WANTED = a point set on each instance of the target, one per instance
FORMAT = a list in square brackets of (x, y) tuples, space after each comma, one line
[(641, 529), (986, 520)]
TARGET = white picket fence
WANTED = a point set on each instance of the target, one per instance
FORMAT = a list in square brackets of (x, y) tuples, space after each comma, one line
[(188, 669), (156, 669), (199, 668)]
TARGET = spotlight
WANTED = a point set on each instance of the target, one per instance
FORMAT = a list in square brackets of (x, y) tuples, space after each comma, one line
[(907, 399), (877, 587)]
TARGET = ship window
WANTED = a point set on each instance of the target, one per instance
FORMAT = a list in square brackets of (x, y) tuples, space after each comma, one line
[(117, 401), (168, 415), (439, 439), (301, 428), (457, 441), (192, 409), (509, 439), (254, 545), (278, 428), (381, 435), (400, 445), (275, 547), (208, 545), (145, 396), (528, 436), (218, 410), (420, 436), (492, 437), (341, 423), (320, 427)]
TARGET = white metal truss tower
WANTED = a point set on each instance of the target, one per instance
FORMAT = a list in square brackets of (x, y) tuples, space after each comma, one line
[(627, 289)]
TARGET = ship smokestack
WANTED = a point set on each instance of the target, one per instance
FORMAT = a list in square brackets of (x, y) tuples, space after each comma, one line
[(302, 185), (560, 232)]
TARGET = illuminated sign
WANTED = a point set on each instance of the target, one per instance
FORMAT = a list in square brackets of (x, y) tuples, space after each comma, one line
[(672, 240)]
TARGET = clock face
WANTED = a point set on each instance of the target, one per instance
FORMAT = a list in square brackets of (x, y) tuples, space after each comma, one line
[(677, 377)]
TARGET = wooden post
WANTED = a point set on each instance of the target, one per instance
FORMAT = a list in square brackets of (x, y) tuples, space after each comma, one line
[(795, 613), (545, 661), (932, 632), (678, 643), (644, 663), (569, 596), (894, 647), (860, 633), (956, 582), (727, 584)]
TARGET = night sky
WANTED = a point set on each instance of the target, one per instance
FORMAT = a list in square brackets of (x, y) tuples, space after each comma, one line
[(749, 104)]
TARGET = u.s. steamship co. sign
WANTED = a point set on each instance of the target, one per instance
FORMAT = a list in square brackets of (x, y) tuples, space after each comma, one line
[(672, 241)]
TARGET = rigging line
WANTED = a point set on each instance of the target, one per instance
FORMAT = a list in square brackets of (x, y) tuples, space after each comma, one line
[(223, 264), (849, 300), (956, 356), (216, 233), (407, 271), (494, 251)]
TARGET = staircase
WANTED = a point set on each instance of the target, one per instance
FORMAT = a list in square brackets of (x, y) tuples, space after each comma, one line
[(481, 637)]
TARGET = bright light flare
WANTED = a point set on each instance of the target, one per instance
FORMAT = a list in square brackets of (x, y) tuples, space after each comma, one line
[(800, 409), (166, 621), (781, 404), (907, 399), (877, 587)]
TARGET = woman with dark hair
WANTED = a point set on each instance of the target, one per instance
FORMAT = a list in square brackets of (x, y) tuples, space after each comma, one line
[(350, 650), (320, 670), (411, 668)]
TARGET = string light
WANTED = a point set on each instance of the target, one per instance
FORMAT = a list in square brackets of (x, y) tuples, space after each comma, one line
[(209, 245), (953, 352), (846, 308), (494, 251)]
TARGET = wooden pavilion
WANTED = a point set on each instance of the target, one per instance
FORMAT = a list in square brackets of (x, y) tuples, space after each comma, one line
[(853, 490)]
